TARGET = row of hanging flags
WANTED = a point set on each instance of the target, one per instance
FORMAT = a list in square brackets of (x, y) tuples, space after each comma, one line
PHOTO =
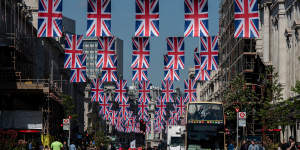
[(246, 18), (205, 60), (169, 108)]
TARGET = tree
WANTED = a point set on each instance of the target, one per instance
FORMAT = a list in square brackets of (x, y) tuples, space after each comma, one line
[(101, 140), (258, 100), (69, 107)]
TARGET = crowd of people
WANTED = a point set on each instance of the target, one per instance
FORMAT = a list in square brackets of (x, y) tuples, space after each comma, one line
[(257, 145)]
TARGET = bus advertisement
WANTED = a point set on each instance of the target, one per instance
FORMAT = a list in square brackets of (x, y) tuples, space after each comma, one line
[(205, 126)]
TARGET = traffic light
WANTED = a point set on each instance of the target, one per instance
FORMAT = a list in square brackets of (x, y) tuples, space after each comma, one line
[(142, 125)]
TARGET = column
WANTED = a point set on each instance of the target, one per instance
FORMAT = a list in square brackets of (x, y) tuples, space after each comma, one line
[(282, 50), (266, 30)]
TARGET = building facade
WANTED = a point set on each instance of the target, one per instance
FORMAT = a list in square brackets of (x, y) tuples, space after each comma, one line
[(33, 80)]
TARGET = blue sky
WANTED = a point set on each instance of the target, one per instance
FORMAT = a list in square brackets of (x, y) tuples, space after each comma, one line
[(123, 26)]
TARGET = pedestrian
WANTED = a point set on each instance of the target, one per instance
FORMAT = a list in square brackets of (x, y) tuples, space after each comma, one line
[(292, 145), (244, 145), (260, 146), (65, 146), (253, 145), (72, 146), (56, 145), (230, 146), (30, 145)]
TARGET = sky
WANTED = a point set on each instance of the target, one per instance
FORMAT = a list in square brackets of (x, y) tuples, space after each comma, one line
[(123, 26)]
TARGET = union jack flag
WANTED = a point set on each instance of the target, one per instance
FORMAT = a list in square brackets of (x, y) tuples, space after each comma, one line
[(133, 123), (190, 91), (124, 109), (143, 111), (98, 18), (158, 123), (97, 90), (167, 91), (196, 18), (173, 118), (141, 52), (170, 74), (144, 91), (79, 74), (106, 52), (203, 75), (246, 18), (161, 109), (139, 74), (109, 75), (50, 18), (147, 18), (128, 123), (119, 123), (105, 107), (180, 106), (121, 91), (113, 117), (209, 53), (73, 49), (175, 47)]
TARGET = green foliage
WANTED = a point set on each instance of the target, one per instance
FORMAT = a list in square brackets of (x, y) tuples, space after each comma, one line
[(265, 105), (238, 96), (296, 89), (101, 139), (69, 107)]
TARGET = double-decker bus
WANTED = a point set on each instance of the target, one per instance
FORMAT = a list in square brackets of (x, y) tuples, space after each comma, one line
[(205, 126)]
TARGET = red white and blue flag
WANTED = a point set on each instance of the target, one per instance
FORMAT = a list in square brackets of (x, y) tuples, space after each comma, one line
[(161, 109), (141, 52), (196, 18), (190, 91), (144, 91), (203, 75), (50, 18), (158, 122), (121, 91), (97, 90), (124, 109), (175, 47), (105, 107), (99, 18), (106, 52), (167, 91), (147, 18), (109, 75), (73, 49), (246, 19), (128, 123), (180, 106), (209, 52), (143, 111), (79, 74), (113, 117), (170, 74), (173, 118), (139, 74), (119, 123)]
